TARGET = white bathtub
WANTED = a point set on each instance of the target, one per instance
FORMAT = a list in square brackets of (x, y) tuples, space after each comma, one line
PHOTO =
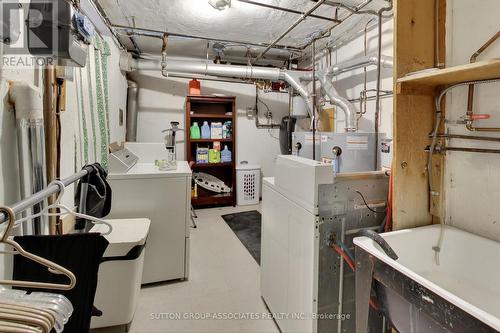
[(468, 275)]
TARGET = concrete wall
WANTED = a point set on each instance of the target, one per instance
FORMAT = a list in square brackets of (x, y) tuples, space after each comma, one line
[(472, 180)]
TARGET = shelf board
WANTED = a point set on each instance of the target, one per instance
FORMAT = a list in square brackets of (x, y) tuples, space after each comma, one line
[(213, 199), (210, 140), (481, 70), (211, 116), (209, 165)]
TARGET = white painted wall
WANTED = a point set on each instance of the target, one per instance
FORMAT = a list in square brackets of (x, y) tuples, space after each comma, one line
[(163, 100), (472, 180), (9, 177)]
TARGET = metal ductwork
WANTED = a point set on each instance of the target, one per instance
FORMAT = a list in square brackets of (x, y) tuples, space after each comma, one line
[(132, 109), (346, 106), (293, 78), (28, 105)]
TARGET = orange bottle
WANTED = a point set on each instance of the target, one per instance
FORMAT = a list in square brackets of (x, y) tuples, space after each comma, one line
[(194, 87)]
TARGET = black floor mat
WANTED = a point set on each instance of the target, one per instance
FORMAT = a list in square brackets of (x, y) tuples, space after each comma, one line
[(246, 226)]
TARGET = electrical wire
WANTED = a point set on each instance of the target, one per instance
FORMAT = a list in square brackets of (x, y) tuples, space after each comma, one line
[(346, 249), (366, 204), (272, 135)]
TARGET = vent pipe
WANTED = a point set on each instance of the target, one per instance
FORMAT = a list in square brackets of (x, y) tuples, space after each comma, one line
[(348, 108), (132, 111), (28, 104), (296, 79), (293, 78)]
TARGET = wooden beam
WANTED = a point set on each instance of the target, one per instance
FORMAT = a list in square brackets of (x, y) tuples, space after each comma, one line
[(414, 45), (50, 124)]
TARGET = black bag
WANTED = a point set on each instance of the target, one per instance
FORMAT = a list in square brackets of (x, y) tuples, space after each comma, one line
[(98, 196)]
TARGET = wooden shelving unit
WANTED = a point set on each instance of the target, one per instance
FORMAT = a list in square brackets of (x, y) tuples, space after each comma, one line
[(210, 109)]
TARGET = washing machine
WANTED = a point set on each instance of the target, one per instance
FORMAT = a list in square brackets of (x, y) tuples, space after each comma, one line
[(164, 197)]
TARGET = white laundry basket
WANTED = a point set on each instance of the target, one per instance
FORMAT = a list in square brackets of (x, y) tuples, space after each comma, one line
[(248, 184)]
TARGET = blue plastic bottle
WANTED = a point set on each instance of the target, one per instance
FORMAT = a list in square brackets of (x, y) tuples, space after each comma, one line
[(205, 130), (226, 155)]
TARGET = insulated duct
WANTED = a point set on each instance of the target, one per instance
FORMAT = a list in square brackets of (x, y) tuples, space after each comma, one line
[(293, 78), (348, 108), (28, 105), (132, 93)]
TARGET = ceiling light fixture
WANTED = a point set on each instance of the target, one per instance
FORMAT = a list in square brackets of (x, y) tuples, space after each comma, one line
[(220, 4)]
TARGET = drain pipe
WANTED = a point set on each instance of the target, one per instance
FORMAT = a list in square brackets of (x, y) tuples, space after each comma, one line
[(28, 104), (132, 112)]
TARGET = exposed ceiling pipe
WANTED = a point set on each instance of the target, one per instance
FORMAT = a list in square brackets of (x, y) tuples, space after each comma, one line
[(159, 34), (293, 78), (242, 51), (288, 10), (287, 31), (345, 17), (357, 63)]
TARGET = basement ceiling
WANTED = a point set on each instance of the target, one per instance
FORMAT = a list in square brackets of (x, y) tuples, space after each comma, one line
[(243, 22)]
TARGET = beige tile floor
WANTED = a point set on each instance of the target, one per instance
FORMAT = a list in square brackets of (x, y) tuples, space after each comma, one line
[(224, 278)]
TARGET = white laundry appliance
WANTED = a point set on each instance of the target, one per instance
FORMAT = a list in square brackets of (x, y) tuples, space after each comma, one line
[(124, 258), (164, 197), (304, 208)]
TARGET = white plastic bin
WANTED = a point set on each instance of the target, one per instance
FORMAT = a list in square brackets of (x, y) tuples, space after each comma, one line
[(247, 184), (120, 273)]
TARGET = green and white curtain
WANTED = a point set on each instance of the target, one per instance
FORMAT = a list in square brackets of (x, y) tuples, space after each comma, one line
[(93, 106)]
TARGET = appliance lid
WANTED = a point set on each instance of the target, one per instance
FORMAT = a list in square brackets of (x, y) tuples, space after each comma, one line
[(126, 234)]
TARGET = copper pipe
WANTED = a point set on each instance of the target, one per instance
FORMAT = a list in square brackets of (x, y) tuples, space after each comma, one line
[(468, 150), (470, 101), (288, 30), (467, 137), (288, 10)]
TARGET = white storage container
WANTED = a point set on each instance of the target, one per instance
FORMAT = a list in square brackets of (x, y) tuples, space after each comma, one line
[(248, 184), (120, 272)]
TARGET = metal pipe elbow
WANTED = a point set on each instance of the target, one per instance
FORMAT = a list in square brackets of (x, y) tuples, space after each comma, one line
[(294, 82), (341, 102)]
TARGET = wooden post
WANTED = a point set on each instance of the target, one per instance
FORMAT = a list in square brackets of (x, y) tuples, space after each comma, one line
[(49, 116), (414, 49)]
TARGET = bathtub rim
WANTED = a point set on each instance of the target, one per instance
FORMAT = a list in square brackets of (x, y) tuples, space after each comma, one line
[(368, 245)]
